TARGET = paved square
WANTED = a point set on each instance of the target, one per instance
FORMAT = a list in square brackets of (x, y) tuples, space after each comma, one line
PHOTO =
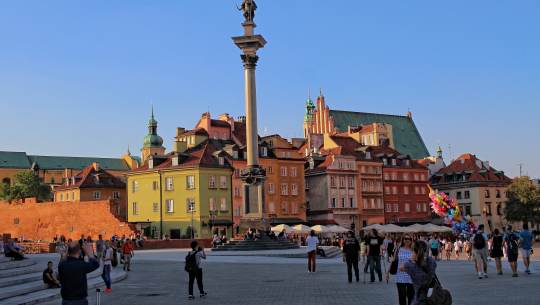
[(274, 281)]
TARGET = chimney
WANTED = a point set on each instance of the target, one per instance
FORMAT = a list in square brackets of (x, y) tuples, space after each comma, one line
[(180, 146), (409, 114), (175, 160), (241, 119), (95, 165), (180, 131), (224, 117)]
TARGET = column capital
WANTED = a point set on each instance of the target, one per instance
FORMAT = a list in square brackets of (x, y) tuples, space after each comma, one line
[(250, 61)]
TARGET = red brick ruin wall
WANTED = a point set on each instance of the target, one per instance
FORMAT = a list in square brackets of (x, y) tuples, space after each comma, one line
[(42, 221)]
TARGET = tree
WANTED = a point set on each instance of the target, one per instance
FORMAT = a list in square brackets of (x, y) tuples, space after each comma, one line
[(26, 184), (523, 203)]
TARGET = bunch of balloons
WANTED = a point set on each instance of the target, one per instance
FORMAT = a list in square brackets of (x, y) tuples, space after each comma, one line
[(447, 207)]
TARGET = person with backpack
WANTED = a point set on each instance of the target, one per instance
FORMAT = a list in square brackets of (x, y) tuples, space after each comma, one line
[(496, 250), (421, 269), (193, 267), (402, 255), (351, 251), (512, 249), (107, 258), (479, 243)]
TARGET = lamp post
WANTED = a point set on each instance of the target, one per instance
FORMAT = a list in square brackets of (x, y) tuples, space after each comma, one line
[(212, 219), (192, 210)]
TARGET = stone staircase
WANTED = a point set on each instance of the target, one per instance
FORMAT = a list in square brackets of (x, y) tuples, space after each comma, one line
[(21, 282), (256, 245)]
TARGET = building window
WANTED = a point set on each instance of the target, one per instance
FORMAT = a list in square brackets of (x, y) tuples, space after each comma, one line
[(271, 189), (379, 203), (458, 195), (294, 208), (190, 205), (293, 172), (272, 207), (269, 170), (394, 190), (342, 182), (223, 182), (235, 154), (264, 151), (190, 182), (332, 181), (387, 190), (422, 177), (169, 204), (155, 207), (366, 203), (154, 185), (169, 183), (488, 208), (284, 189), (418, 207), (285, 207), (394, 176), (61, 197), (134, 186), (135, 208), (372, 201), (497, 194), (467, 195), (212, 182), (116, 195), (424, 208), (416, 177), (223, 204), (406, 190), (487, 194), (236, 191), (499, 209), (394, 162), (386, 176), (416, 190), (212, 204), (388, 208), (334, 202), (407, 208), (342, 202), (351, 202), (406, 176), (396, 208), (351, 182), (97, 195), (283, 171), (221, 161), (294, 189)]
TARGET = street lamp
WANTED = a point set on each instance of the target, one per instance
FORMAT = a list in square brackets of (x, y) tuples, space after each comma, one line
[(192, 210), (212, 219)]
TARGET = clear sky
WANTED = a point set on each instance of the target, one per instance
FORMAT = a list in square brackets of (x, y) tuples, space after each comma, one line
[(78, 77)]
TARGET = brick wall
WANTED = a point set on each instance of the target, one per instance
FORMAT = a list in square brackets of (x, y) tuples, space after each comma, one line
[(42, 221), (175, 244)]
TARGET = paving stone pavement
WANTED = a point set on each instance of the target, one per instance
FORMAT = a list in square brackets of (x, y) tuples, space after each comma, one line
[(159, 278)]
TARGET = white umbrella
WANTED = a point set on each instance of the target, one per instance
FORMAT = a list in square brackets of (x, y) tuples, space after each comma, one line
[(320, 229), (417, 228), (392, 228), (376, 226), (281, 227), (337, 229), (301, 229)]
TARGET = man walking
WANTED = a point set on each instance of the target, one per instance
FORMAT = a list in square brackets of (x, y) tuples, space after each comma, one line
[(526, 241), (479, 242), (351, 249), (72, 273), (107, 266), (100, 247), (312, 241), (374, 242), (512, 249), (127, 251), (194, 269)]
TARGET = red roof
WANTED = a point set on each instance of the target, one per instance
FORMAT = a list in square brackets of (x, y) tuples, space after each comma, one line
[(89, 177), (239, 133), (197, 131), (220, 123), (476, 168)]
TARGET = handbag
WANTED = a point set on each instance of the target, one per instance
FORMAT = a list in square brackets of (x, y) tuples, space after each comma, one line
[(394, 265), (439, 295)]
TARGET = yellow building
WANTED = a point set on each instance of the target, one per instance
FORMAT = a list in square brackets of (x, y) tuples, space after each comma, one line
[(187, 188)]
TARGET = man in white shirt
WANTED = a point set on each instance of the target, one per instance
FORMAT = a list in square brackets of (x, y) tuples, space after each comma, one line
[(312, 241), (107, 266)]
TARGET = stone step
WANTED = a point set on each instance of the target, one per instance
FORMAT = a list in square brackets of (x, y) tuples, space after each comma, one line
[(40, 296), (4, 259), (16, 264), (18, 271), (29, 287), (253, 248), (21, 279)]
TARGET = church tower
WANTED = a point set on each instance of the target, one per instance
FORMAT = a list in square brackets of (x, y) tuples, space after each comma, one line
[(308, 117), (153, 143)]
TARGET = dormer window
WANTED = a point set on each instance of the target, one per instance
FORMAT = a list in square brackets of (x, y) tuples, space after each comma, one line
[(393, 162), (264, 151), (368, 155), (385, 161), (235, 154), (221, 161), (407, 162)]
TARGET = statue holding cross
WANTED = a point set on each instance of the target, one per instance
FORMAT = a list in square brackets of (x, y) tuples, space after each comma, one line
[(248, 8)]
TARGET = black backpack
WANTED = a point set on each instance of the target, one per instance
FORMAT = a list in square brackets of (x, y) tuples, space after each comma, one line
[(479, 242), (191, 262), (512, 243)]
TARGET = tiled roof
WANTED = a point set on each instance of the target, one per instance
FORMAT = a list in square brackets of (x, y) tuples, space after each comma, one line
[(9, 159), (56, 162), (347, 144), (476, 169), (197, 131), (239, 133), (219, 123), (89, 177), (199, 156), (407, 139), (14, 159)]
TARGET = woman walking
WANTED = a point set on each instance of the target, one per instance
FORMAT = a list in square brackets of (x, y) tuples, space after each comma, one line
[(421, 269), (404, 282), (497, 249)]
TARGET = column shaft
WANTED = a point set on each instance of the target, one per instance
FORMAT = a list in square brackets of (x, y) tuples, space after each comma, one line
[(251, 117)]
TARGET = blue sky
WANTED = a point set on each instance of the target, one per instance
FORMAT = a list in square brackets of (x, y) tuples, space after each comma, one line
[(78, 77)]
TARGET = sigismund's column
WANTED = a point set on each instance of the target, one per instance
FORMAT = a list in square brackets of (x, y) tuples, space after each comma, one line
[(254, 175)]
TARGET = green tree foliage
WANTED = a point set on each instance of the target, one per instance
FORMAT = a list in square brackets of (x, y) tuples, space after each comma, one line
[(26, 184), (523, 203)]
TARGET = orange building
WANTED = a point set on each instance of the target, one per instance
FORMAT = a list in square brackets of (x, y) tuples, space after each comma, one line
[(284, 196), (94, 184)]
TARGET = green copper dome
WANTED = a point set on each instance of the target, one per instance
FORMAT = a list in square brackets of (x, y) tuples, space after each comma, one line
[(152, 139)]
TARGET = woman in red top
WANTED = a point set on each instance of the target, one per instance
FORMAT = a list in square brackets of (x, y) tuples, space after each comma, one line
[(127, 250)]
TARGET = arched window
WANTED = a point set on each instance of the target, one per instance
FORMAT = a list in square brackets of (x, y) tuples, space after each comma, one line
[(6, 181)]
